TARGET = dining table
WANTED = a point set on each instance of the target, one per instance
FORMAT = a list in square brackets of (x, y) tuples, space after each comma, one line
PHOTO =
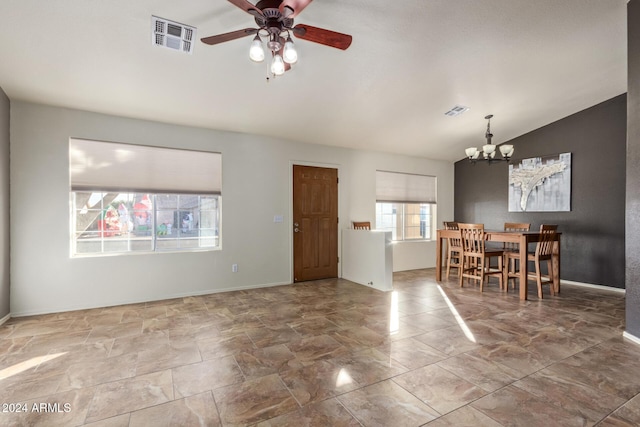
[(522, 238)]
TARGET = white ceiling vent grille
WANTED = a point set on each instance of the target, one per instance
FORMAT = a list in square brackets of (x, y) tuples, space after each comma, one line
[(172, 35), (456, 110)]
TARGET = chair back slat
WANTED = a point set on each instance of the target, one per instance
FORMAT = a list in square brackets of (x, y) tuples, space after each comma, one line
[(517, 226), (361, 225), (544, 247), (450, 225)]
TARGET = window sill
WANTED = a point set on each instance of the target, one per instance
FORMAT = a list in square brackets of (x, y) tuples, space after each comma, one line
[(102, 255)]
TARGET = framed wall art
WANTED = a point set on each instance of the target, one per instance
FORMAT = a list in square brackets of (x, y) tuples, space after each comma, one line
[(541, 184)]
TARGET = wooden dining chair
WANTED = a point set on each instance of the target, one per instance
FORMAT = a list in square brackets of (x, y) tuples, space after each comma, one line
[(454, 249), (361, 225), (512, 253), (475, 258), (543, 252)]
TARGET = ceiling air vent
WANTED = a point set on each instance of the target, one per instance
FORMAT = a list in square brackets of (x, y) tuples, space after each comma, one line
[(456, 110), (172, 35)]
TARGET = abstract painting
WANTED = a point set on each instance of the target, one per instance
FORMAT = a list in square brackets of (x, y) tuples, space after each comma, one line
[(541, 184)]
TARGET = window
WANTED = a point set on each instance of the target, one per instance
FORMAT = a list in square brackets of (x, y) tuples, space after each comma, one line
[(405, 205), (130, 198)]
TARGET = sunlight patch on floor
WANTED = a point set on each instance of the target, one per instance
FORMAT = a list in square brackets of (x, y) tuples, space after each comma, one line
[(465, 329), (27, 364)]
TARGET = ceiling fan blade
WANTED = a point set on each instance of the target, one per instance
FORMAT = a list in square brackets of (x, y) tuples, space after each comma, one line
[(221, 38), (291, 8), (322, 36), (247, 7)]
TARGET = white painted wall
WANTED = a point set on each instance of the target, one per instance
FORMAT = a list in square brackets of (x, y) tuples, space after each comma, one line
[(256, 181), (367, 258), (406, 255)]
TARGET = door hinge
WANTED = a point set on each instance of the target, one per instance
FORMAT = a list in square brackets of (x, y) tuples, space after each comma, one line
[(337, 180), (338, 260), (338, 220)]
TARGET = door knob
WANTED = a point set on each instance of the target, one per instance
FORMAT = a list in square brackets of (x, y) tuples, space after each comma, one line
[(295, 230)]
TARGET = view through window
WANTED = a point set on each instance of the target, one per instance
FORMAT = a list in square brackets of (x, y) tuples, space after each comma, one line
[(406, 221), (175, 207), (130, 222)]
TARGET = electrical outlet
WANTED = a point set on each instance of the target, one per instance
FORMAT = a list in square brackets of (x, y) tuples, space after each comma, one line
[(234, 268)]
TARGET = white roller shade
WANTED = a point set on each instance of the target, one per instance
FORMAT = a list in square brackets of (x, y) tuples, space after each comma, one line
[(109, 166), (395, 187)]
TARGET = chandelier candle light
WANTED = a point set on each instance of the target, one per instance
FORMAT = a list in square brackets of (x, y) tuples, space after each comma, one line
[(489, 150)]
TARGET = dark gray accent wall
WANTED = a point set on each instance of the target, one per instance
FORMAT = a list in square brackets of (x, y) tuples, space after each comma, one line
[(593, 232), (4, 204), (633, 170)]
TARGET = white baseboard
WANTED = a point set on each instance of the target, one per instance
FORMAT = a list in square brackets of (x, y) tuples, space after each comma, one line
[(631, 338), (139, 301), (589, 285), (5, 318)]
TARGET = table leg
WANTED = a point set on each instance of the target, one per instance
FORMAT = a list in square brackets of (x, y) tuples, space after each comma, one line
[(523, 246), (439, 257), (555, 260)]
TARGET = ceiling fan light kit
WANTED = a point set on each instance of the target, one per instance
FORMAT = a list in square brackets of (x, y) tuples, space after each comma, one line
[(274, 19), (256, 51), (277, 65), (489, 149), (290, 54)]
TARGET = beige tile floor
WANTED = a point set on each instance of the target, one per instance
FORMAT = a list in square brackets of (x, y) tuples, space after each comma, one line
[(328, 353)]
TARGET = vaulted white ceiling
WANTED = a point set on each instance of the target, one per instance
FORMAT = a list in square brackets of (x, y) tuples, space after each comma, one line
[(527, 62)]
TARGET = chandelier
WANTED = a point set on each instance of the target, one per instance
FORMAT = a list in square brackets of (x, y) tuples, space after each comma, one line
[(489, 150)]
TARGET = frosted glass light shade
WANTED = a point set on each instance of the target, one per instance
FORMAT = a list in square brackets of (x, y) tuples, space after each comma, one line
[(277, 65), (488, 149), (471, 151), (256, 51), (506, 150), (290, 55)]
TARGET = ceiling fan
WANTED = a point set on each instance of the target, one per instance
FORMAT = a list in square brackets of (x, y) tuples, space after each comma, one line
[(274, 19)]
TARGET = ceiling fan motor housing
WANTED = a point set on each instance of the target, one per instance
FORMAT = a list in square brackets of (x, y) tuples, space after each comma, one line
[(272, 20)]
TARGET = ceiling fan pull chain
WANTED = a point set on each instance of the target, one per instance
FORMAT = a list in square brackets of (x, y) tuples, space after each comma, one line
[(267, 68)]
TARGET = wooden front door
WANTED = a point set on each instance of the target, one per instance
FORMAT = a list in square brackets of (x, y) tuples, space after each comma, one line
[(315, 223)]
